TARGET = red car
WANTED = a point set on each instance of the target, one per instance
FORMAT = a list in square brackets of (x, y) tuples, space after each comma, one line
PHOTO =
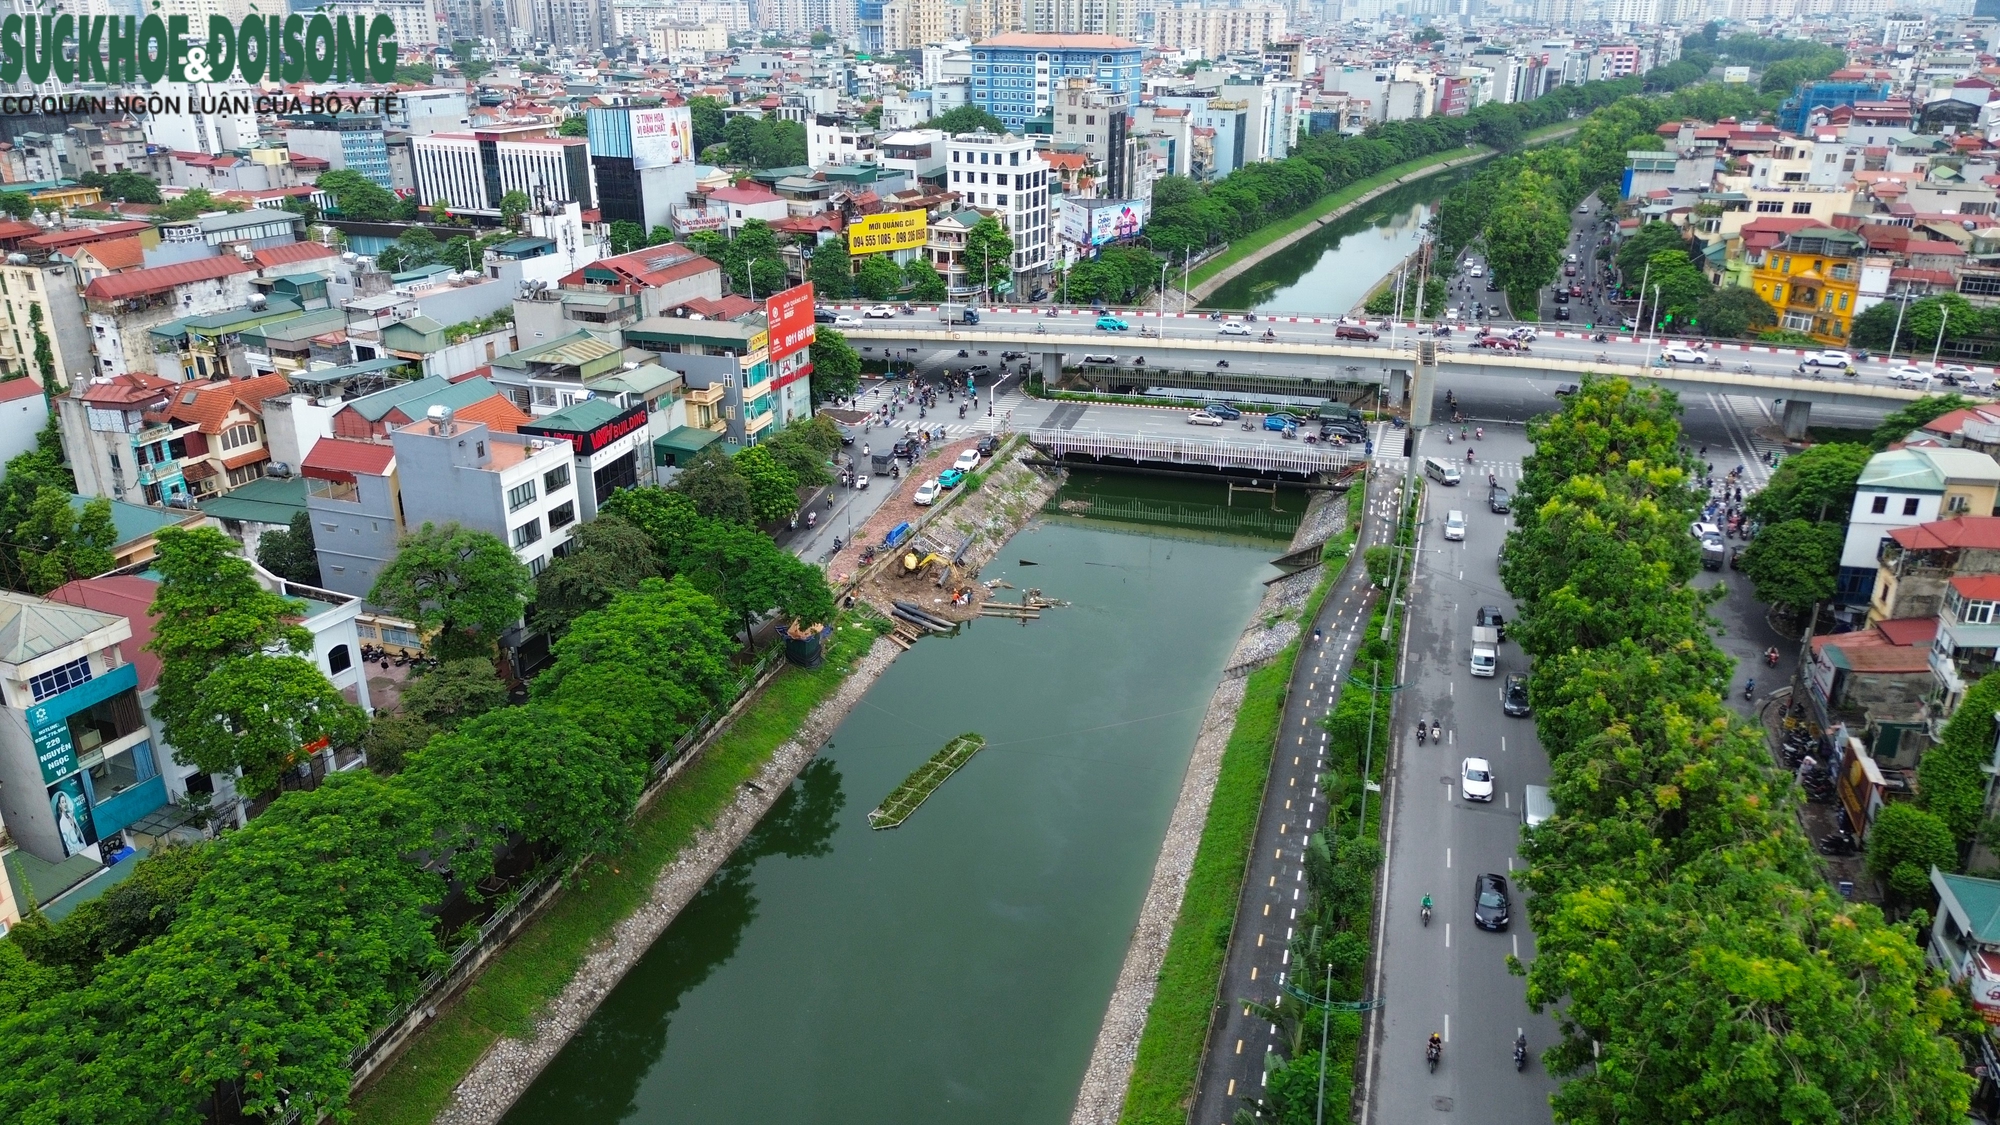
[(1501, 342), (1576, 290), (1354, 332)]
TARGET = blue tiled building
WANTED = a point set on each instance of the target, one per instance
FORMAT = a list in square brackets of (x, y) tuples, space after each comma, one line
[(1014, 76)]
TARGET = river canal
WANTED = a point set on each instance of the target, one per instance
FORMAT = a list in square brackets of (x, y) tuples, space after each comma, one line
[(954, 969), (1331, 271)]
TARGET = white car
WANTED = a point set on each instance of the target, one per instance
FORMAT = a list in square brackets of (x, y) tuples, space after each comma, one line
[(1476, 271), (1525, 334), (1475, 779), (967, 461), (1101, 360), (1454, 525), (926, 492), (1203, 418), (1910, 376), (1571, 259), (879, 312), (845, 321), (1629, 324), (1701, 530), (1680, 353), (1235, 328), (1452, 313), (1839, 361), (1957, 371)]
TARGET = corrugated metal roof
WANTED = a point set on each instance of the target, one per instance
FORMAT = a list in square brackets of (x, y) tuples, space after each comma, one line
[(160, 279), (31, 627)]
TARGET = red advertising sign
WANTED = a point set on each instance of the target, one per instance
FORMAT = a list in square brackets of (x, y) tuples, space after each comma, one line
[(589, 443), (791, 317)]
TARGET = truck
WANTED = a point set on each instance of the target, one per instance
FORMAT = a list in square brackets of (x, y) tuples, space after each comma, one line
[(1485, 650), (1713, 553), (881, 463), (959, 315), (1536, 805)]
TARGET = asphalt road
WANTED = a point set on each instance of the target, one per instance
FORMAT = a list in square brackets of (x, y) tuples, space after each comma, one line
[(1450, 977), (1259, 952)]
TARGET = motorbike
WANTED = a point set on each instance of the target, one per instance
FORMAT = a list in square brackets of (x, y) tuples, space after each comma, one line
[(1479, 433), (1749, 689), (1521, 1051), (962, 354), (1468, 456), (908, 310), (1437, 733), (1426, 908), (1423, 732), (1222, 363), (1051, 312), (1601, 338), (1138, 361), (1246, 424), (1449, 437), (1434, 1052), (837, 544), (1270, 335), (961, 410), (1838, 843), (1771, 657), (1398, 422)]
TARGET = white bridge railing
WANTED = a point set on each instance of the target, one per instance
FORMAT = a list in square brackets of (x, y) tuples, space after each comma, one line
[(1292, 457)]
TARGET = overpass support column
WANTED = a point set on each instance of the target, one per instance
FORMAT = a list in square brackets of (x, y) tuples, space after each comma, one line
[(1051, 369), (1798, 415), (1424, 386), (1396, 382)]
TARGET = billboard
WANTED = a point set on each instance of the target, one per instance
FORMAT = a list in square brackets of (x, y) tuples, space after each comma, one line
[(791, 320), (1094, 222), (879, 234), (661, 135)]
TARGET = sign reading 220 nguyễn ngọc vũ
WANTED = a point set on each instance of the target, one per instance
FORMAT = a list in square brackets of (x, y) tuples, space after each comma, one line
[(292, 48)]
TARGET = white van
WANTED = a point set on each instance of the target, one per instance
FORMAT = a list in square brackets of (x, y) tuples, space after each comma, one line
[(1536, 806), (1441, 470)]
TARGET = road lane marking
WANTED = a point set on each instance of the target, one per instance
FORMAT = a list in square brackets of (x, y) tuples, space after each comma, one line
[(1447, 1027), (1253, 972), (1267, 910), (1274, 880), (1277, 853), (1447, 857), (1260, 941), (1232, 1087), (1517, 946), (1447, 935), (1239, 1046)]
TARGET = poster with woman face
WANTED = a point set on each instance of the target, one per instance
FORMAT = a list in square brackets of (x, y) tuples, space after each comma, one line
[(72, 812)]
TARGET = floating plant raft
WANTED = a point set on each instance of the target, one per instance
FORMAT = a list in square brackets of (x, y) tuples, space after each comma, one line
[(924, 780)]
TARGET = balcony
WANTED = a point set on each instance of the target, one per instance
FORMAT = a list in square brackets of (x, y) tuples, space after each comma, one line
[(706, 396), (757, 424), (156, 471)]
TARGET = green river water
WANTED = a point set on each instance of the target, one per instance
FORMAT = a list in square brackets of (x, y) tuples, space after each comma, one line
[(954, 969)]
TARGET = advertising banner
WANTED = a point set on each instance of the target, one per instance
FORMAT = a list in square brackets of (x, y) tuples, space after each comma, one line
[(48, 721), (72, 812), (791, 317), (662, 135), (880, 234), (1097, 222), (589, 443)]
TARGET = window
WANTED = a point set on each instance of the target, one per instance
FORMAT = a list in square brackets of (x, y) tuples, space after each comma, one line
[(520, 496), (1958, 503), (1072, 119), (105, 722), (556, 479), (240, 477), (55, 681), (1909, 505), (1803, 207), (562, 516), (527, 533), (339, 659), (235, 436), (1771, 206), (1973, 613), (1880, 506)]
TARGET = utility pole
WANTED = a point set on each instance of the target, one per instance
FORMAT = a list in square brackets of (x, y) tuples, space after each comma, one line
[(1325, 1016), (1902, 306), (1939, 346), (1368, 756)]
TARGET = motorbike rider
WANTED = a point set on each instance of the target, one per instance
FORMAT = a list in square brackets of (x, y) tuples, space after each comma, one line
[(1437, 733), (1422, 732), (1771, 656)]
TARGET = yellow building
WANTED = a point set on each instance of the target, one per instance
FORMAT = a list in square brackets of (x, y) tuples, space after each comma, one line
[(1811, 280)]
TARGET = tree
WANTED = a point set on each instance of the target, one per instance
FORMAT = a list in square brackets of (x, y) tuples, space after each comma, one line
[(878, 278), (773, 488), (989, 252), (1907, 419), (1904, 843), (923, 281), (262, 715), (17, 204), (514, 204), (1816, 484), (289, 552), (641, 670), (576, 126), (830, 273), (740, 567), (804, 448), (705, 113), (125, 917), (713, 482), (208, 609), (967, 119), (194, 203), (607, 557), (1950, 781), (667, 516), (836, 365), (453, 692), (1733, 310), (441, 213), (1794, 563), (626, 236), (57, 542), (530, 771), (465, 584), (1677, 289), (393, 738), (127, 187), (1525, 235), (1650, 239), (765, 142)]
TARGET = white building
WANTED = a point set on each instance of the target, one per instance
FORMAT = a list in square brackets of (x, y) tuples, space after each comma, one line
[(211, 133), (462, 168), (1003, 176), (833, 139), (1214, 32)]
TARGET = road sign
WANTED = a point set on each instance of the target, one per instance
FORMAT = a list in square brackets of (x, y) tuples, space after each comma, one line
[(1003, 287)]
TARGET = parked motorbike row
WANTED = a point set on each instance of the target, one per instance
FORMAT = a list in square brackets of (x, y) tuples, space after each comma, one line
[(371, 654)]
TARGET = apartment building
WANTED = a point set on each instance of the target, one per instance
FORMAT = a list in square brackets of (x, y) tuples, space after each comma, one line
[(1096, 122), (352, 141), (1006, 177), (1014, 75), (1906, 488), (1212, 33), (518, 487), (122, 309), (471, 171), (1812, 280)]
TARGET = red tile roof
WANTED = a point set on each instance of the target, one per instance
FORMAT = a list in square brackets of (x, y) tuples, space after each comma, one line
[(649, 268), (1978, 587), (14, 390), (209, 405), (339, 459), (1980, 532), (57, 239), (1870, 651), (746, 193), (499, 414), (1909, 630), (135, 388), (294, 252), (117, 254), (161, 279), (130, 597)]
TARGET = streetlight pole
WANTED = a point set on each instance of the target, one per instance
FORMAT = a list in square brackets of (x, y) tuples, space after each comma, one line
[(1368, 756), (1939, 346), (1163, 300), (1639, 318), (1902, 306), (1325, 1014)]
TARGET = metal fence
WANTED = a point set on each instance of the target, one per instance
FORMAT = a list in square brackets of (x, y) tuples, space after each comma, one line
[(1291, 457)]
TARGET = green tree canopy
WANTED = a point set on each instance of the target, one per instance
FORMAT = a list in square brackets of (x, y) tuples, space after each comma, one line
[(574, 126), (923, 281), (1734, 310), (195, 202), (57, 542), (642, 669), (967, 119), (454, 691), (1794, 563), (1913, 416), (466, 584), (607, 557), (773, 488), (879, 278), (832, 277), (1816, 484), (355, 196), (712, 480), (289, 553), (836, 365), (989, 252), (1904, 843)]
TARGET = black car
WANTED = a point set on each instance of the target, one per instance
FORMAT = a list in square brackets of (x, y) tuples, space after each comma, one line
[(987, 445), (821, 316), (1498, 501), (1562, 296), (1564, 390), (1013, 355), (1562, 312), (1224, 410), (1490, 905), (1489, 617), (1492, 286), (1514, 696), (907, 447)]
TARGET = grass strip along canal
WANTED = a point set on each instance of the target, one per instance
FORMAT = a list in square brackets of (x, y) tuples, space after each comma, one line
[(1229, 1010)]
